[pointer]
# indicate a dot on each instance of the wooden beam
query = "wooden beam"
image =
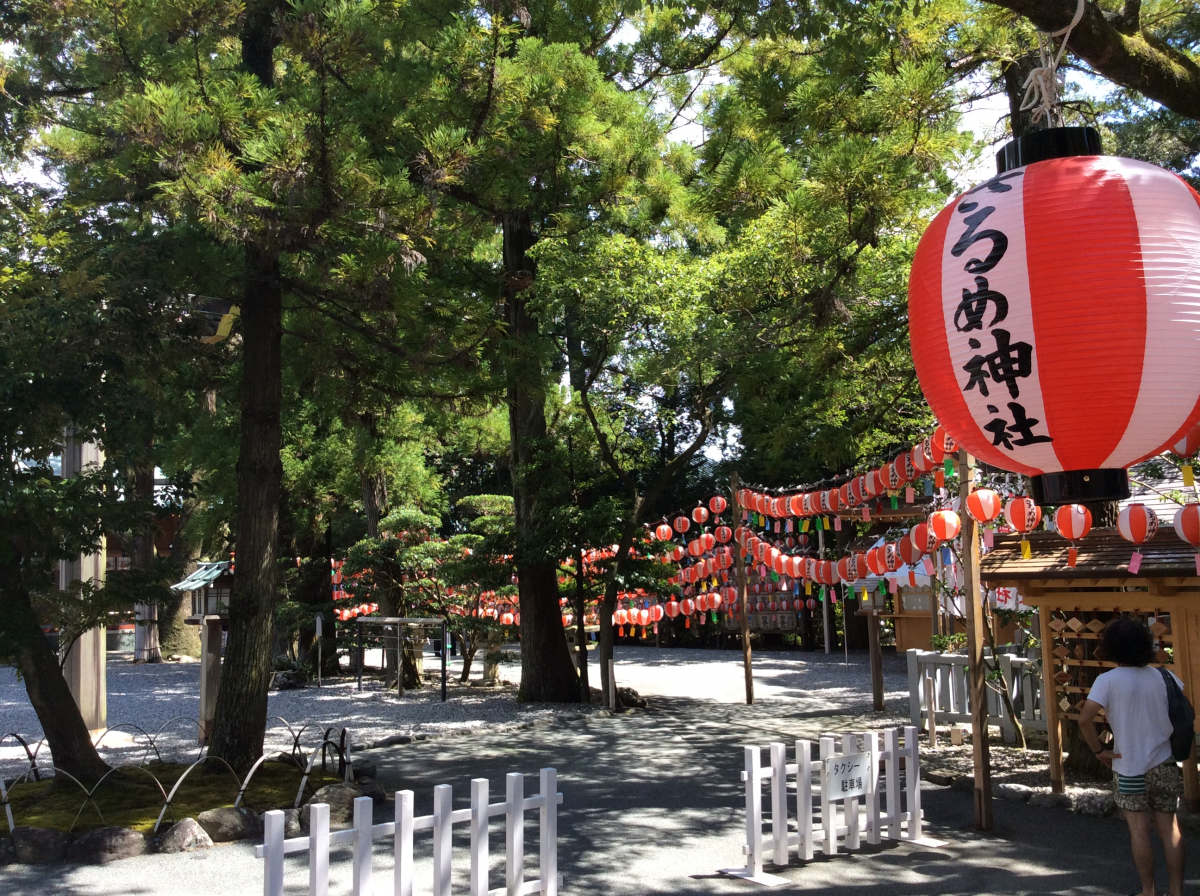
(1050, 702)
(976, 639)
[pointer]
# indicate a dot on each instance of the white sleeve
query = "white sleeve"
(1099, 691)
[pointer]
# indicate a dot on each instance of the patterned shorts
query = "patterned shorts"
(1159, 789)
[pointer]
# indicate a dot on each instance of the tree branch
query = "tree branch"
(1134, 59)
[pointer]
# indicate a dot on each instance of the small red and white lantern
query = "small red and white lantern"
(1073, 522)
(1137, 523)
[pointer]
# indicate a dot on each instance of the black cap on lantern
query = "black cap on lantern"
(1068, 486)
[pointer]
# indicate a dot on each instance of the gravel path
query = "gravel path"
(165, 696)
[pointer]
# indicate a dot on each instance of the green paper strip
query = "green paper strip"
(949, 465)
(895, 502)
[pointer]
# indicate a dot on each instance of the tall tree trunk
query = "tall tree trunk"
(241, 714)
(546, 671)
(375, 500)
(62, 724)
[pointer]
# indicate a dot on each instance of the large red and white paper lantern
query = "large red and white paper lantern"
(1054, 313)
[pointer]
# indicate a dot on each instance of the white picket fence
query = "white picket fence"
(890, 806)
(952, 692)
(320, 839)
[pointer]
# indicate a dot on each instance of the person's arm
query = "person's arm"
(1087, 727)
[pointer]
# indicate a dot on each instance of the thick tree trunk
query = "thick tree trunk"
(546, 671)
(241, 714)
(62, 724)
(375, 500)
(1014, 74)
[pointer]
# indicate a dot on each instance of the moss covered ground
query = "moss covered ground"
(130, 797)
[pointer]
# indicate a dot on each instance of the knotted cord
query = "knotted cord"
(1042, 85)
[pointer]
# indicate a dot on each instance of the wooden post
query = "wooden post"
(740, 565)
(1050, 702)
(930, 709)
(975, 642)
(826, 609)
(876, 658)
(210, 672)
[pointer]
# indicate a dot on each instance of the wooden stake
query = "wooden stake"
(1050, 702)
(876, 659)
(975, 641)
(740, 563)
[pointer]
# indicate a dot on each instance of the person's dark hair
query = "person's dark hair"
(1128, 642)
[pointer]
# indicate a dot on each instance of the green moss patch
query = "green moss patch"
(130, 798)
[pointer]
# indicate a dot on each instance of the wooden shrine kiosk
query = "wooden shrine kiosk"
(1073, 605)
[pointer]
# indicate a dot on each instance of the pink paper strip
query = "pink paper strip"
(1135, 562)
(910, 495)
(837, 524)
(927, 562)
(989, 538)
(866, 515)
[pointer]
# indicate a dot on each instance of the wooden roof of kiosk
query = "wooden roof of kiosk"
(1166, 587)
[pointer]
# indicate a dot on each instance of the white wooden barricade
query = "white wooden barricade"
(891, 806)
(952, 691)
(319, 840)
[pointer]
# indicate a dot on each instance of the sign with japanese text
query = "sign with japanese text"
(847, 776)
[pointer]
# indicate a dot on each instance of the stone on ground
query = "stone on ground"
(372, 788)
(185, 836)
(340, 798)
(1017, 793)
(8, 855)
(1098, 804)
(630, 698)
(106, 844)
(226, 824)
(38, 846)
(1051, 800)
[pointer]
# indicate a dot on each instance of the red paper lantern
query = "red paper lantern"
(903, 467)
(1028, 288)
(874, 483)
(1189, 444)
(621, 617)
(714, 601)
(1073, 521)
(672, 608)
(921, 462)
(844, 495)
(700, 514)
(682, 524)
(729, 595)
(945, 524)
(1137, 523)
(717, 504)
(922, 538)
(663, 532)
(677, 553)
(656, 613)
(934, 448)
(844, 571)
(875, 561)
(908, 551)
(1187, 524)
(811, 604)
(1022, 514)
(861, 566)
(723, 534)
(506, 618)
(984, 505)
(891, 557)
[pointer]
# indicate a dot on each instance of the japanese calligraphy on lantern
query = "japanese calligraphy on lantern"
(991, 338)
(847, 776)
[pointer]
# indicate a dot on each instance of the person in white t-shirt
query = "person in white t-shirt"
(1147, 782)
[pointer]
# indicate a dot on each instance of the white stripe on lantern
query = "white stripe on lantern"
(1011, 278)
(1168, 219)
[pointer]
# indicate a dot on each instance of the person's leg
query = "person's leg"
(1172, 841)
(1143, 849)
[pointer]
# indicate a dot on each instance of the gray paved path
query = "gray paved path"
(652, 805)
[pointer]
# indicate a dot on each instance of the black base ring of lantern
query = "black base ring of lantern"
(1051, 143)
(1080, 486)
